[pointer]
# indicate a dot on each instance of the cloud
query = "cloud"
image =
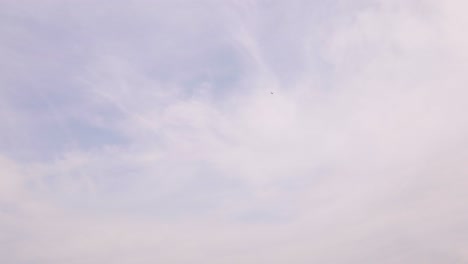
(147, 132)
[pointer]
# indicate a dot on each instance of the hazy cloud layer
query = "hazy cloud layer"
(233, 131)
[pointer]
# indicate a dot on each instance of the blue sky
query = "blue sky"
(146, 131)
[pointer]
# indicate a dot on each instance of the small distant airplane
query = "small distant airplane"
(271, 92)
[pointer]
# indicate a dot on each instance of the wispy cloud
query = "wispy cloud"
(233, 132)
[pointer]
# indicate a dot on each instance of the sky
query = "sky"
(233, 131)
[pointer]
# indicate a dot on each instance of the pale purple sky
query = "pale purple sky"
(137, 132)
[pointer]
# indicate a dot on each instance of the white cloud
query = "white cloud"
(146, 132)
